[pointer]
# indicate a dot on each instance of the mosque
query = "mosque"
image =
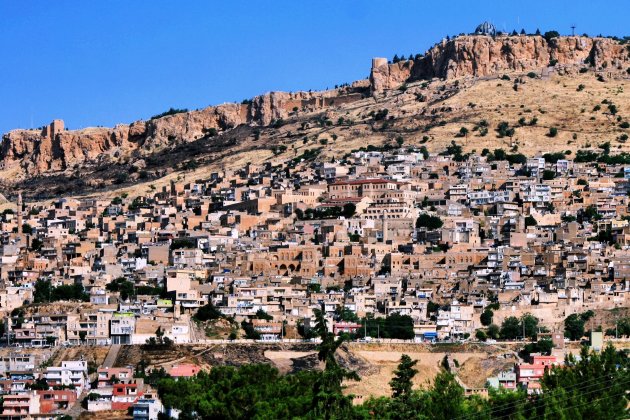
(486, 28)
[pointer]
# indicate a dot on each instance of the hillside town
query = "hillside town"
(391, 243)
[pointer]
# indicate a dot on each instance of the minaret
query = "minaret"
(385, 227)
(19, 212)
(173, 189)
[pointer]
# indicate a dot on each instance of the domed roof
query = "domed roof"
(486, 28)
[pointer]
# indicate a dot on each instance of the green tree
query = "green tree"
(43, 291)
(529, 324)
(549, 35)
(429, 222)
(493, 331)
(446, 398)
(486, 317)
(548, 175)
(402, 383)
(510, 328)
(27, 229)
(261, 314)
(328, 398)
(207, 312)
(574, 327)
(398, 326)
(123, 286)
(344, 314)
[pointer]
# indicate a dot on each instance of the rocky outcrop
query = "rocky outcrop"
(47, 150)
(480, 56)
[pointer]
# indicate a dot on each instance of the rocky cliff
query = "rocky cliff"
(25, 154)
(35, 152)
(480, 56)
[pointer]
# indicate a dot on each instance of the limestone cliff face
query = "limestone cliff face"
(480, 56)
(38, 151)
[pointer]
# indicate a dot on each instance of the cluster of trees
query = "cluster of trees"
(595, 386)
(411, 57)
(574, 325)
(504, 130)
(248, 327)
(123, 286)
(159, 341)
(511, 328)
(128, 289)
(587, 156)
(207, 312)
(171, 111)
(455, 150)
(622, 328)
(45, 292)
(500, 154)
(183, 243)
(393, 326)
(429, 222)
(347, 211)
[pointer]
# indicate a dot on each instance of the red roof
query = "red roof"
(184, 370)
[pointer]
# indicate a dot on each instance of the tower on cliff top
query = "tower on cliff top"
(378, 62)
(54, 128)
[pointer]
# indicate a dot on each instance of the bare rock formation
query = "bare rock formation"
(25, 154)
(480, 56)
(53, 149)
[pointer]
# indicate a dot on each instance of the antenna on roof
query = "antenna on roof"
(573, 30)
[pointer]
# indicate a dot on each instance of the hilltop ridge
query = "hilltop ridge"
(483, 55)
(92, 158)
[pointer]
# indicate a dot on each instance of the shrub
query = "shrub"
(532, 75)
(504, 129)
(171, 111)
(553, 132)
(549, 35)
(481, 335)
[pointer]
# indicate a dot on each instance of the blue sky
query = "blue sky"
(107, 62)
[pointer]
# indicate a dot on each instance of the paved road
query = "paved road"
(110, 359)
